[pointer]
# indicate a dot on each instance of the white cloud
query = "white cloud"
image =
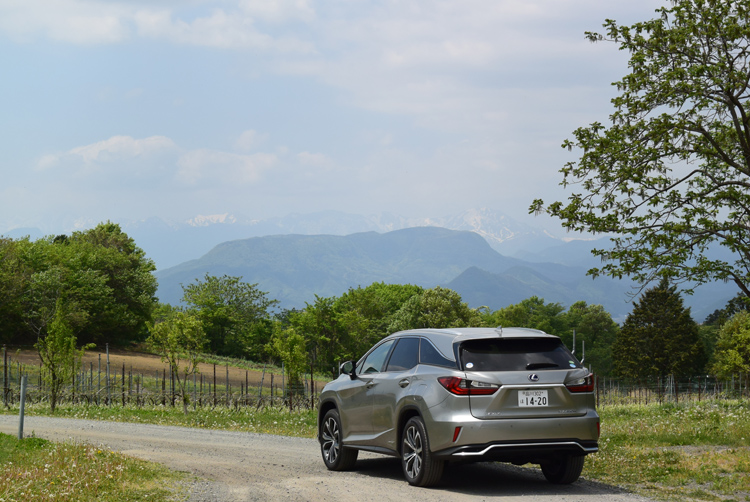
(48, 161)
(279, 11)
(71, 21)
(116, 153)
(220, 30)
(452, 66)
(314, 159)
(121, 146)
(220, 168)
(92, 22)
(249, 140)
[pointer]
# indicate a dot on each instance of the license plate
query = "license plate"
(532, 398)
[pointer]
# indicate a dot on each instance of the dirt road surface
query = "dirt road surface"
(240, 467)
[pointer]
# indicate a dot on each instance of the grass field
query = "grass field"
(691, 451)
(39, 470)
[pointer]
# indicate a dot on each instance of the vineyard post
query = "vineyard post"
(263, 377)
(122, 384)
(5, 377)
(99, 378)
(21, 410)
(109, 398)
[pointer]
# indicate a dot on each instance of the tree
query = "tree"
(435, 308)
(326, 340)
(737, 304)
(61, 360)
(710, 330)
(670, 175)
(129, 280)
(14, 274)
(366, 313)
(658, 338)
(338, 329)
(180, 341)
(231, 311)
(290, 345)
(531, 313)
(595, 328)
(58, 276)
(104, 279)
(733, 347)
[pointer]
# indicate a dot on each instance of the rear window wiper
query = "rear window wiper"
(536, 366)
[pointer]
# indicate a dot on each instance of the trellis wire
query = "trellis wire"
(106, 386)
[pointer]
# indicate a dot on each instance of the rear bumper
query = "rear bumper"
(462, 437)
(518, 451)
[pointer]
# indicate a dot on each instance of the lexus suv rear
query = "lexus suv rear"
(436, 396)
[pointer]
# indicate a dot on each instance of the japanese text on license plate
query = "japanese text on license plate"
(532, 398)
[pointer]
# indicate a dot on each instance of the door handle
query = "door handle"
(404, 382)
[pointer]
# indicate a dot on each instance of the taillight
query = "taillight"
(582, 384)
(463, 387)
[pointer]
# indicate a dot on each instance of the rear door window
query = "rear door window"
(516, 354)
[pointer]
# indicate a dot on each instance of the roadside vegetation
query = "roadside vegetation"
(40, 470)
(689, 451)
(266, 420)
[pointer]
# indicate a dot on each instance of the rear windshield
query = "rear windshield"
(516, 354)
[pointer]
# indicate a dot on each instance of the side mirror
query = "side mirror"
(347, 368)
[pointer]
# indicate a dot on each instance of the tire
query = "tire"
(563, 470)
(335, 456)
(420, 467)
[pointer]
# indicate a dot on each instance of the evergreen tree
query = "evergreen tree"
(659, 338)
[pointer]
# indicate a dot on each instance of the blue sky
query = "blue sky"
(126, 110)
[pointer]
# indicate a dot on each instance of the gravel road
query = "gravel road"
(239, 467)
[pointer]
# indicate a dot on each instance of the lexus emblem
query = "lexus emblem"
(534, 377)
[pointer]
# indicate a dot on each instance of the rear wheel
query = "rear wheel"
(563, 470)
(420, 467)
(335, 456)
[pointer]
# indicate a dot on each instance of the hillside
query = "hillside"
(295, 268)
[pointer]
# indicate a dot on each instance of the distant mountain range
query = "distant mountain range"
(169, 244)
(489, 258)
(295, 268)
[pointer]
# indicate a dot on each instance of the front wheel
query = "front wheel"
(335, 456)
(563, 470)
(420, 467)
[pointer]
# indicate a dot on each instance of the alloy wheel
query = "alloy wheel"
(413, 451)
(331, 437)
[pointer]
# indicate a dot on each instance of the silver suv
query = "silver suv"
(436, 396)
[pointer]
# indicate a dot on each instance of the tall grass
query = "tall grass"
(36, 469)
(692, 451)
